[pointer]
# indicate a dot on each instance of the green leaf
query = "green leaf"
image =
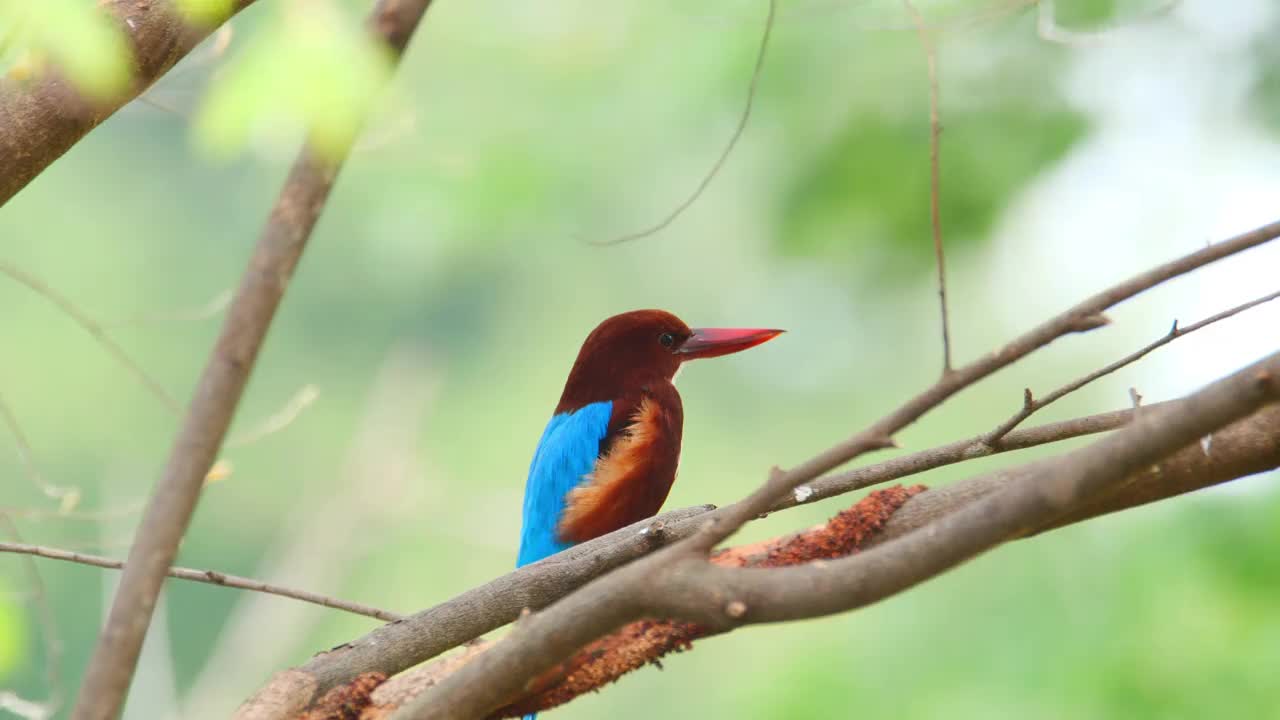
(314, 69)
(76, 36)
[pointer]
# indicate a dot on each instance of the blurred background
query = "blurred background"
(381, 450)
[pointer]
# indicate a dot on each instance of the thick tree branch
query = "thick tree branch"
(174, 498)
(1246, 447)
(212, 577)
(41, 120)
(393, 648)
(689, 588)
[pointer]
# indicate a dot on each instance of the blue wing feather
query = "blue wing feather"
(567, 451)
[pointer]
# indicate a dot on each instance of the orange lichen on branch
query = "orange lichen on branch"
(346, 702)
(647, 641)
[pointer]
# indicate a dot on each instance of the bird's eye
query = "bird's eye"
(667, 339)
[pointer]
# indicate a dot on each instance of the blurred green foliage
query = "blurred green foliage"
(842, 205)
(453, 249)
(69, 33)
(315, 68)
(11, 630)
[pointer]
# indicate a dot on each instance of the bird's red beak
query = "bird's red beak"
(714, 342)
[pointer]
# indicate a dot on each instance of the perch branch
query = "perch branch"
(686, 587)
(40, 120)
(1032, 404)
(393, 648)
(174, 498)
(211, 577)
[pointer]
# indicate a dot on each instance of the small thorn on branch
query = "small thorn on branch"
(885, 443)
(1089, 322)
(1135, 397)
(1028, 400)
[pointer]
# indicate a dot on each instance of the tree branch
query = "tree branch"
(1083, 317)
(41, 120)
(174, 498)
(1031, 404)
(393, 648)
(689, 588)
(212, 577)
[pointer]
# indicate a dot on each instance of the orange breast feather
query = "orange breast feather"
(621, 488)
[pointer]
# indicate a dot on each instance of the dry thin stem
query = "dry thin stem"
(67, 497)
(279, 420)
(1030, 404)
(711, 174)
(210, 577)
(95, 330)
(935, 181)
(174, 498)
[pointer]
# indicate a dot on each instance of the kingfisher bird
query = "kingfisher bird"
(608, 456)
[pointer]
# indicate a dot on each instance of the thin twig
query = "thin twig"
(117, 353)
(1083, 317)
(829, 486)
(1031, 404)
(279, 420)
(935, 149)
(688, 202)
(174, 497)
(67, 497)
(210, 577)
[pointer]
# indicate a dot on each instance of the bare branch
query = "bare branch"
(425, 634)
(1083, 316)
(950, 454)
(174, 498)
(41, 120)
(1031, 404)
(935, 149)
(686, 587)
(645, 641)
(210, 577)
(688, 202)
